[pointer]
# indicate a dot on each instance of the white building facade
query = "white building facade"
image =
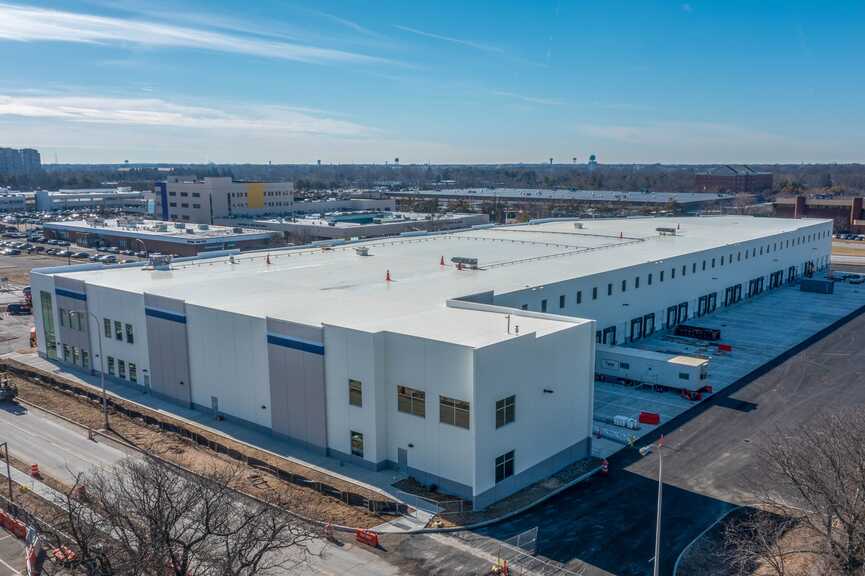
(476, 377)
(207, 200)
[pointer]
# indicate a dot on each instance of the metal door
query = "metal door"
(402, 460)
(214, 403)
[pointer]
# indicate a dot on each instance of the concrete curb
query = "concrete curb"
(700, 535)
(510, 514)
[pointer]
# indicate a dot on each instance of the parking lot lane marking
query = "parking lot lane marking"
(13, 570)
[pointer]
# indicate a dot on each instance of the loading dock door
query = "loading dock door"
(402, 460)
(672, 313)
(610, 335)
(648, 324)
(636, 328)
(683, 313)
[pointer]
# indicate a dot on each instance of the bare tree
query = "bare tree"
(814, 481)
(145, 518)
(755, 540)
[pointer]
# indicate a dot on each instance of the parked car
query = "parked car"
(38, 249)
(64, 253)
(19, 309)
(52, 251)
(94, 257)
(12, 252)
(81, 255)
(108, 259)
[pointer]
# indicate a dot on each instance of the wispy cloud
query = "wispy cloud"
(158, 112)
(685, 134)
(29, 24)
(529, 99)
(687, 8)
(452, 40)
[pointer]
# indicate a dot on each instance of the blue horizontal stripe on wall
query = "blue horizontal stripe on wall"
(70, 294)
(295, 344)
(165, 315)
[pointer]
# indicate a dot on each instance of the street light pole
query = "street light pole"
(5, 446)
(102, 372)
(644, 451)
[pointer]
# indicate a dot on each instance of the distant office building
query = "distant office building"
(158, 236)
(17, 162)
(202, 201)
(91, 199)
(846, 213)
(736, 179)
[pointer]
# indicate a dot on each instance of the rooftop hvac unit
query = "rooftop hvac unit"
(578, 225)
(666, 231)
(161, 228)
(203, 227)
(159, 262)
(179, 225)
(362, 251)
(237, 230)
(467, 262)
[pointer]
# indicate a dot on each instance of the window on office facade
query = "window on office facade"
(118, 330)
(130, 337)
(454, 412)
(411, 401)
(355, 392)
(506, 411)
(106, 323)
(504, 466)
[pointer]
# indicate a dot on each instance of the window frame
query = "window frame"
(355, 392)
(414, 397)
(505, 464)
(451, 408)
(507, 408)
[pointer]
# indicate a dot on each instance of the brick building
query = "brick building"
(733, 178)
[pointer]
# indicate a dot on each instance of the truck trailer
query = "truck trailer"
(632, 365)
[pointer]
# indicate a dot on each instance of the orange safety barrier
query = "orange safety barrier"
(367, 537)
(605, 467)
(725, 348)
(18, 529)
(34, 470)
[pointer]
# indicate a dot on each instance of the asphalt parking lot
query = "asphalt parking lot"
(709, 466)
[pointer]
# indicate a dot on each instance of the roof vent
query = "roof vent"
(179, 225)
(204, 227)
(578, 225)
(237, 230)
(362, 251)
(666, 231)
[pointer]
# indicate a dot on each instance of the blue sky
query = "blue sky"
(462, 82)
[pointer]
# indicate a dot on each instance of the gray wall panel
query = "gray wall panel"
(297, 385)
(168, 351)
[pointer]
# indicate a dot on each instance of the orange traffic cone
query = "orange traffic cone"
(387, 277)
(442, 261)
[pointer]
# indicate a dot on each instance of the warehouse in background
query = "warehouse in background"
(465, 359)
(138, 234)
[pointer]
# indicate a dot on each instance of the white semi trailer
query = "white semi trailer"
(654, 368)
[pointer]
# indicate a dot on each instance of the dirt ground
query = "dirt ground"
(17, 268)
(181, 451)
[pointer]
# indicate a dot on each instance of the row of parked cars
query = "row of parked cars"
(850, 236)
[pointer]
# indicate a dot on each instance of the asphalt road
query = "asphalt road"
(711, 463)
(11, 555)
(61, 450)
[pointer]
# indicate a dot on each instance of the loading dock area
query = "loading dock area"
(758, 330)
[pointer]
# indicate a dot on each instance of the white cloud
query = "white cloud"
(452, 40)
(29, 24)
(530, 99)
(158, 112)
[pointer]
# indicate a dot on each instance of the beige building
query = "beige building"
(203, 201)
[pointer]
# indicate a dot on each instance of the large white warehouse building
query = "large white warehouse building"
(476, 375)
